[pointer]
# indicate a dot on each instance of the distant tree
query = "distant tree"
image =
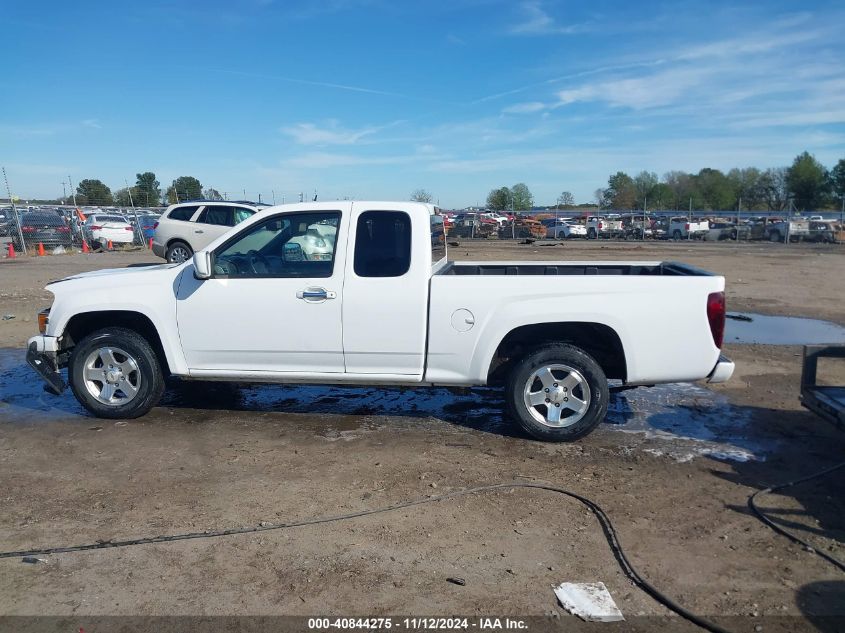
(499, 199)
(184, 188)
(621, 193)
(715, 189)
(421, 195)
(661, 198)
(747, 186)
(682, 186)
(122, 197)
(211, 194)
(147, 190)
(808, 182)
(522, 197)
(645, 182)
(93, 192)
(598, 195)
(566, 199)
(774, 188)
(837, 179)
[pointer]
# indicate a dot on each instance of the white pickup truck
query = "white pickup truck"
(683, 228)
(363, 293)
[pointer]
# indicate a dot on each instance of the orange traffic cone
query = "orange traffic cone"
(40, 249)
(151, 244)
(11, 253)
(85, 248)
(110, 246)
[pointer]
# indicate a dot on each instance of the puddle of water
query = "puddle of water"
(681, 421)
(779, 330)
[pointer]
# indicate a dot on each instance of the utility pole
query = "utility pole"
(64, 193)
(273, 193)
(72, 190)
(645, 212)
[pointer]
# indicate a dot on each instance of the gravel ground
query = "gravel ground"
(673, 467)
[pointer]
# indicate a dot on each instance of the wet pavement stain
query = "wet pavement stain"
(750, 328)
(681, 421)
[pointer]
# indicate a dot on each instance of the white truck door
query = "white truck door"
(275, 299)
(385, 305)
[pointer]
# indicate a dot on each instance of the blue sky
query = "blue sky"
(372, 99)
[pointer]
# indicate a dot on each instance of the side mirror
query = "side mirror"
(202, 264)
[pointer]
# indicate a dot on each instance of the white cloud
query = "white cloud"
(525, 108)
(329, 134)
(538, 22)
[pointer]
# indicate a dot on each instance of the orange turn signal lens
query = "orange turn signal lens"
(43, 319)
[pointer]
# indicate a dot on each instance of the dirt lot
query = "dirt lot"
(673, 468)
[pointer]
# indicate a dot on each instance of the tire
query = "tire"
(565, 364)
(591, 234)
(774, 236)
(135, 366)
(676, 235)
(178, 252)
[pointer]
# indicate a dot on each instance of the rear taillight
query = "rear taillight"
(128, 228)
(600, 225)
(686, 227)
(94, 227)
(28, 229)
(716, 316)
(63, 229)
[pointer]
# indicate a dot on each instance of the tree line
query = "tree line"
(805, 185)
(146, 192)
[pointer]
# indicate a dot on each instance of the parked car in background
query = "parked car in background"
(45, 227)
(600, 226)
(637, 225)
(564, 228)
(682, 227)
(98, 230)
(190, 226)
(822, 231)
(760, 226)
(794, 229)
(5, 222)
(145, 225)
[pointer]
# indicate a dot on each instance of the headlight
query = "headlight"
(43, 320)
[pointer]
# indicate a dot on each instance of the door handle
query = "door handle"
(199, 231)
(315, 294)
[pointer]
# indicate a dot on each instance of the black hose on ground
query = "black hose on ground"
(762, 516)
(606, 525)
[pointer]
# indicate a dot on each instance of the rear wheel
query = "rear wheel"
(591, 234)
(114, 373)
(178, 252)
(676, 235)
(774, 236)
(557, 393)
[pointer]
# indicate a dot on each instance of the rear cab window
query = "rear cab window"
(382, 244)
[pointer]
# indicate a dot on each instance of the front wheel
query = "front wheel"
(557, 393)
(114, 373)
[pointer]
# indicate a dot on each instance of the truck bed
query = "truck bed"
(572, 268)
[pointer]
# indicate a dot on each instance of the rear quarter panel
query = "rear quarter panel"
(661, 321)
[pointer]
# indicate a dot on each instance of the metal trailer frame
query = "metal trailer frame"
(826, 401)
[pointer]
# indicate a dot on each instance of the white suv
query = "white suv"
(190, 226)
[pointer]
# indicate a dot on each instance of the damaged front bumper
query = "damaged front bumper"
(723, 370)
(42, 354)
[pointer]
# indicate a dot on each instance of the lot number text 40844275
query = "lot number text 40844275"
(416, 624)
